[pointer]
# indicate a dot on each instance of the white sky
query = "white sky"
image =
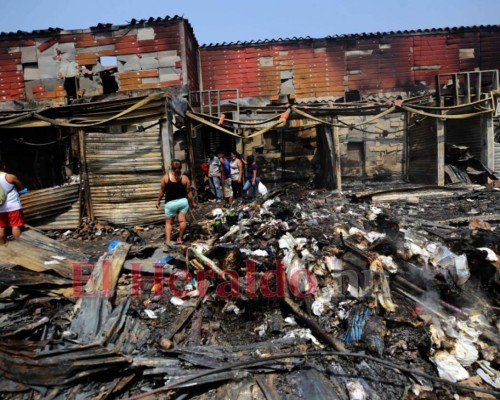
(217, 21)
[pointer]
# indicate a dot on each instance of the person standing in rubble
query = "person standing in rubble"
(176, 188)
(227, 190)
(214, 177)
(236, 168)
(253, 177)
(11, 210)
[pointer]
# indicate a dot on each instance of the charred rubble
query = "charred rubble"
(381, 294)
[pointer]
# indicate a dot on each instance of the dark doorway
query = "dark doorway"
(354, 162)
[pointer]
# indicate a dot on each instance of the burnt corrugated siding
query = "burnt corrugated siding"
(497, 158)
(124, 175)
(374, 64)
(422, 152)
(191, 56)
(148, 56)
(465, 132)
(53, 208)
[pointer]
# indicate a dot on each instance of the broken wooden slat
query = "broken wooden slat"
(183, 318)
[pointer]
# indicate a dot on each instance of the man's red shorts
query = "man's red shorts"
(11, 218)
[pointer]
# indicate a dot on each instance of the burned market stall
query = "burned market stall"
(45, 157)
(315, 145)
(460, 120)
(89, 159)
(312, 289)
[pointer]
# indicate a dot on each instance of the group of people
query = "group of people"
(227, 181)
(227, 178)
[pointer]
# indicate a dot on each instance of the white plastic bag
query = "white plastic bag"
(262, 189)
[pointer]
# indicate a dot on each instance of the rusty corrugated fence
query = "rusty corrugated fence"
(124, 173)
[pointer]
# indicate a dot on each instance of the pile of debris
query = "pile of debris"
(300, 294)
(461, 166)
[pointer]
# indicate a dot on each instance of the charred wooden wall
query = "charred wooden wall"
(37, 156)
(379, 64)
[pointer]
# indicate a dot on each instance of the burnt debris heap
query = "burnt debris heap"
(387, 293)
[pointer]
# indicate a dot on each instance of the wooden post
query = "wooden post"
(456, 94)
(184, 55)
(467, 88)
(438, 91)
(404, 162)
(190, 152)
(326, 154)
(440, 151)
(84, 175)
(487, 141)
(336, 146)
(166, 135)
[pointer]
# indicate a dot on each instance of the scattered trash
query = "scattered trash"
(405, 291)
(448, 367)
(150, 313)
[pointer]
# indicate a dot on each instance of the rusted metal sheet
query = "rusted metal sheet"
(53, 208)
(124, 175)
(422, 151)
(154, 36)
(497, 158)
(36, 252)
(128, 111)
(371, 63)
(28, 362)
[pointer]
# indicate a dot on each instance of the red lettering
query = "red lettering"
(203, 283)
(301, 278)
(79, 278)
(279, 277)
(250, 279)
(230, 288)
(137, 280)
(178, 276)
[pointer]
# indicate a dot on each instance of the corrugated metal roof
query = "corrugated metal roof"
(357, 35)
(162, 20)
